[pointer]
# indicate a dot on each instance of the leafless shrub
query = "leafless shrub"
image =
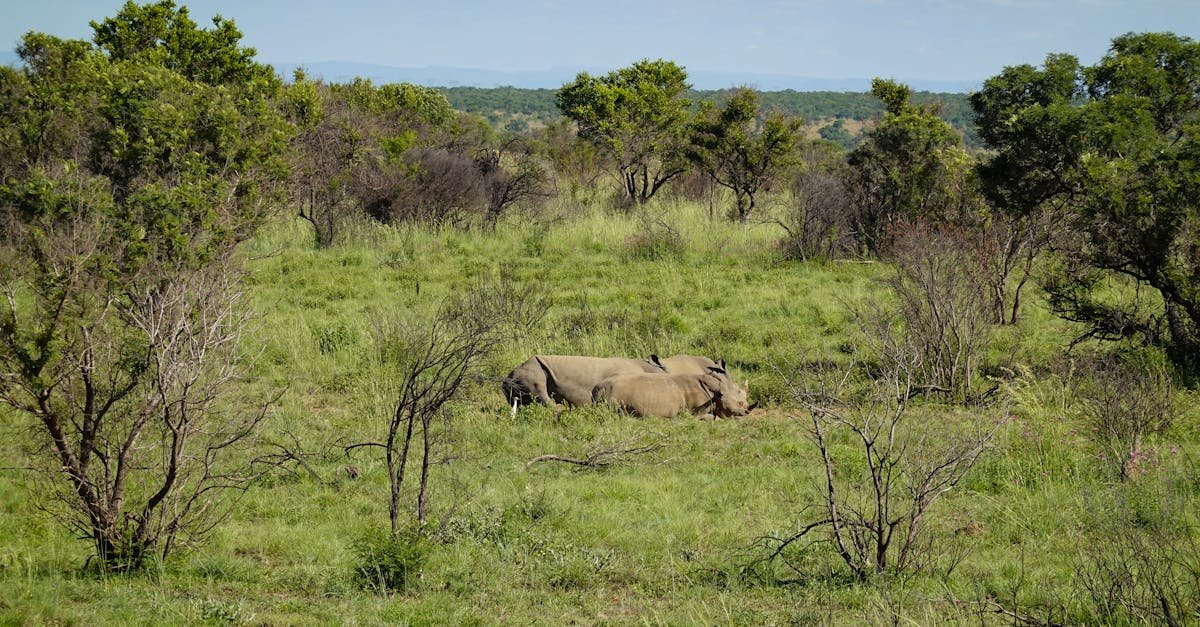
(512, 175)
(575, 162)
(422, 365)
(321, 157)
(1140, 563)
(817, 219)
(656, 240)
(693, 186)
(133, 401)
(1007, 248)
(941, 314)
(432, 186)
(516, 308)
(876, 518)
(1128, 400)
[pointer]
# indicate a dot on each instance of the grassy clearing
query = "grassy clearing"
(656, 540)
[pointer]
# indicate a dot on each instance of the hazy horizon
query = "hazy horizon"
(920, 41)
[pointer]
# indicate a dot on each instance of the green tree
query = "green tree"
(638, 115)
(911, 166)
(1116, 148)
(163, 35)
(125, 189)
(732, 147)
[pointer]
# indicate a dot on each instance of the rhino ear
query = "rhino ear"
(711, 382)
(721, 363)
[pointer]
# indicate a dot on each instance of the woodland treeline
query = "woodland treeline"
(515, 109)
(133, 164)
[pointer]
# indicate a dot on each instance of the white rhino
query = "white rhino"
(568, 378)
(660, 394)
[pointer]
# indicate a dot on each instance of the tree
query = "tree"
(1115, 148)
(120, 324)
(737, 153)
(911, 166)
(511, 174)
(638, 116)
(161, 34)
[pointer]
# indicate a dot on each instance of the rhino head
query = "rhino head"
(729, 399)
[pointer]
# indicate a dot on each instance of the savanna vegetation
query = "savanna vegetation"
(840, 117)
(253, 334)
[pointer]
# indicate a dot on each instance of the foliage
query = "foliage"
(162, 35)
(396, 152)
(737, 152)
(830, 111)
(389, 562)
(1114, 146)
(912, 166)
(638, 116)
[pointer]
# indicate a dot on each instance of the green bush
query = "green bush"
(389, 563)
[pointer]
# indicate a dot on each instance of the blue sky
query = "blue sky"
(914, 39)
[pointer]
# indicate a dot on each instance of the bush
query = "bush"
(817, 221)
(941, 305)
(655, 242)
(1129, 398)
(389, 563)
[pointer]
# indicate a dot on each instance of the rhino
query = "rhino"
(568, 378)
(662, 394)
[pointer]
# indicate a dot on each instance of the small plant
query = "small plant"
(387, 562)
(332, 338)
(225, 613)
(1129, 400)
(655, 242)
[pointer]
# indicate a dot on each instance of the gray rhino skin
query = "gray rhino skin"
(568, 378)
(699, 364)
(652, 394)
(691, 364)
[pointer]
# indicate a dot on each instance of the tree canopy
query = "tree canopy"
(638, 115)
(739, 152)
(1116, 148)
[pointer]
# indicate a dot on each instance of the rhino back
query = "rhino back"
(572, 377)
(689, 364)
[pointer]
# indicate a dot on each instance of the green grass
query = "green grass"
(658, 539)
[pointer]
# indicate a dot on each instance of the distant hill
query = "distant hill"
(553, 78)
(838, 109)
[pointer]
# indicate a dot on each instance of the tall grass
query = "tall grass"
(655, 539)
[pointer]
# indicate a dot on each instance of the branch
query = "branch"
(600, 457)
